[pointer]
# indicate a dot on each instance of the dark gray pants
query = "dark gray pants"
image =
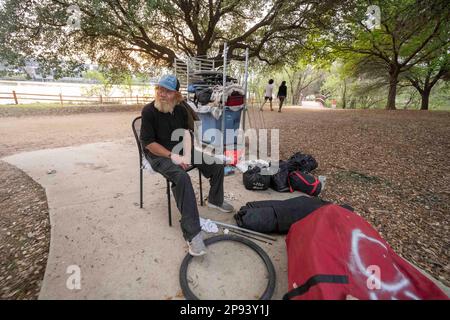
(184, 192)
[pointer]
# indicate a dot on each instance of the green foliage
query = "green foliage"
(136, 33)
(410, 32)
(317, 47)
(440, 97)
(103, 86)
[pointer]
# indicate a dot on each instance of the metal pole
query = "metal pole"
(230, 226)
(224, 79)
(250, 237)
(187, 76)
(141, 193)
(245, 87)
(175, 66)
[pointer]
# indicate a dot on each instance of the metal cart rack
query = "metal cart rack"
(189, 69)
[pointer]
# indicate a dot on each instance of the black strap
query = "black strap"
(320, 278)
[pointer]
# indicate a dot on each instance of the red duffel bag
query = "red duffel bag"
(334, 254)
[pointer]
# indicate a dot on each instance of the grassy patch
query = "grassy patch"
(39, 105)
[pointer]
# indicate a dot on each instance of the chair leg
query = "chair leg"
(168, 202)
(201, 191)
(141, 187)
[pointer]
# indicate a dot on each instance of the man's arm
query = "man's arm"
(158, 150)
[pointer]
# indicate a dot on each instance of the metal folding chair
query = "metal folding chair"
(136, 126)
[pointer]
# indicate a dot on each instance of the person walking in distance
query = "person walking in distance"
(268, 95)
(282, 94)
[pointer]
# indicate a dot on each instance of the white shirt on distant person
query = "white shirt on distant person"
(269, 91)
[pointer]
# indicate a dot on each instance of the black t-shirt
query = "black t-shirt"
(158, 126)
(282, 91)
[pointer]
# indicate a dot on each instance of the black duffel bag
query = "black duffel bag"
(276, 215)
(279, 181)
(302, 162)
(304, 182)
(254, 180)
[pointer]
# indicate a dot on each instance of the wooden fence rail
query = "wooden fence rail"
(17, 98)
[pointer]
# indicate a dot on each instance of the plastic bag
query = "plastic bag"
(254, 180)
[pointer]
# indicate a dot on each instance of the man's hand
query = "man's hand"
(183, 162)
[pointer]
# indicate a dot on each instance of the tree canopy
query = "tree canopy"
(409, 32)
(157, 31)
(384, 45)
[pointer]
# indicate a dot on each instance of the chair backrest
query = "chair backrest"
(136, 126)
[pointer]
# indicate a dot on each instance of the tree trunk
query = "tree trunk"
(298, 88)
(425, 99)
(344, 98)
(393, 80)
(293, 96)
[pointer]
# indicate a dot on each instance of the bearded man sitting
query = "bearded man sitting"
(163, 120)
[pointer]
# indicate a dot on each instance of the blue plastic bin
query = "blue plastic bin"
(232, 121)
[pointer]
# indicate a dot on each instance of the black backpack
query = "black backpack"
(304, 182)
(302, 162)
(254, 180)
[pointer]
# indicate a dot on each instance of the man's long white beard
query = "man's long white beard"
(164, 106)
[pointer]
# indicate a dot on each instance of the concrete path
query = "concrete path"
(125, 252)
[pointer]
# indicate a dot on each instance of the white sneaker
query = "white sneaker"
(197, 246)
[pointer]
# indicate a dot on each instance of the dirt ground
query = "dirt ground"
(391, 166)
(24, 234)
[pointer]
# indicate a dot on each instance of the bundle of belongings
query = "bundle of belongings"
(209, 78)
(276, 216)
(334, 254)
(292, 175)
(210, 93)
(209, 100)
